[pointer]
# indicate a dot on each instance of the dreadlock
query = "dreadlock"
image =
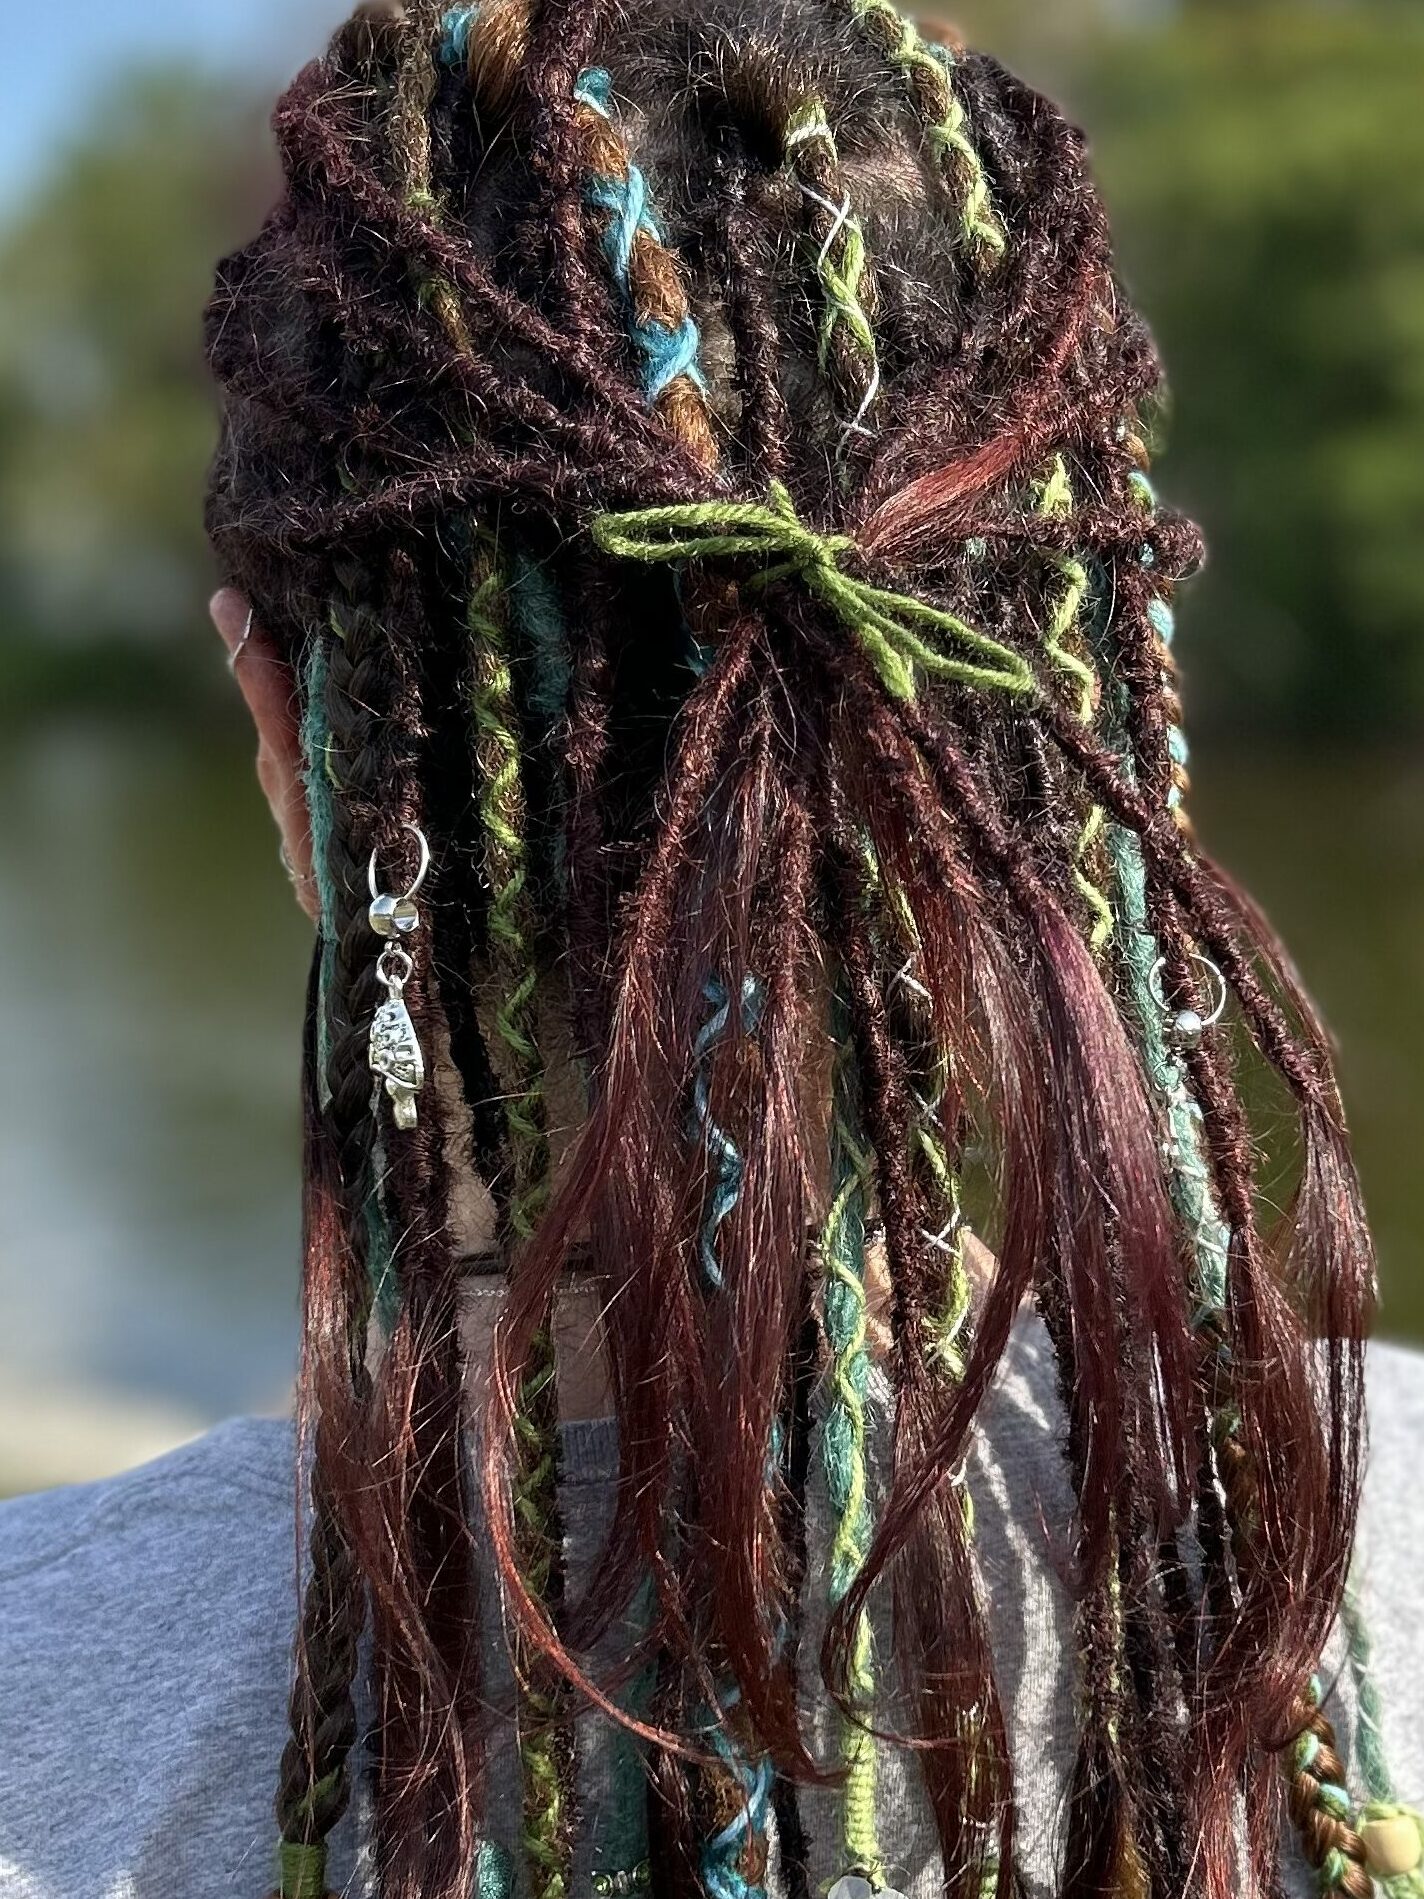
(693, 457)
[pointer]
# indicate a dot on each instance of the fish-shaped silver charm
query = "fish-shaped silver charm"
(395, 1055)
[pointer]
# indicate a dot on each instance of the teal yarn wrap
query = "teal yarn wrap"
(722, 1152)
(538, 613)
(620, 1823)
(321, 788)
(722, 1855)
(1369, 1736)
(1190, 1181)
(494, 1872)
(665, 351)
(455, 31)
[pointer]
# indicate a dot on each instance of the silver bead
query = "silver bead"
(851, 1886)
(394, 916)
(1187, 1029)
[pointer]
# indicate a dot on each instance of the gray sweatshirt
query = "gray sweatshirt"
(145, 1626)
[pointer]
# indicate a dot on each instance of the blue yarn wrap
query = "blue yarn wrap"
(455, 34)
(727, 1166)
(722, 1875)
(665, 351)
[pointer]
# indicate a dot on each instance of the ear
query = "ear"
(270, 690)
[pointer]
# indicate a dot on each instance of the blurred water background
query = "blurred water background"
(1265, 164)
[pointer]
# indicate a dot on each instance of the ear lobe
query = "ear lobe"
(269, 689)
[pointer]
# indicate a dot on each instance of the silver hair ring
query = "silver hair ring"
(1187, 1026)
(298, 879)
(420, 875)
(237, 652)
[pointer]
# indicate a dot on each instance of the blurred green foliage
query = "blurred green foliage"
(1265, 166)
(106, 421)
(1266, 169)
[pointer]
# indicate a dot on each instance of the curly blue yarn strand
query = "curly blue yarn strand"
(722, 1874)
(455, 35)
(665, 352)
(722, 1151)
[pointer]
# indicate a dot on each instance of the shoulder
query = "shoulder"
(144, 1632)
(133, 1534)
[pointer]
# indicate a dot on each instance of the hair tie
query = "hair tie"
(898, 632)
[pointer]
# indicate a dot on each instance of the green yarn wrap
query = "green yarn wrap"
(517, 1058)
(899, 633)
(843, 1446)
(1057, 499)
(301, 1871)
(842, 268)
(928, 72)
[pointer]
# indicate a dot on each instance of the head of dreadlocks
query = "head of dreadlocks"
(691, 460)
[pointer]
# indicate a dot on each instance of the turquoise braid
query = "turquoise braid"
(661, 326)
(666, 351)
(1382, 1818)
(744, 1837)
(843, 1445)
(455, 31)
(1319, 1800)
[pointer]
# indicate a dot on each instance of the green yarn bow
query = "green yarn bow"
(898, 632)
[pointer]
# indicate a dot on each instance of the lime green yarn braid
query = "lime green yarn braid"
(517, 1059)
(301, 1870)
(846, 348)
(929, 77)
(1057, 499)
(502, 818)
(415, 83)
(844, 1445)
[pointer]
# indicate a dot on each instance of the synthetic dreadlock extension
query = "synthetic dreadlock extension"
(735, 704)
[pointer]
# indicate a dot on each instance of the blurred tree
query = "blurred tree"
(1265, 166)
(105, 418)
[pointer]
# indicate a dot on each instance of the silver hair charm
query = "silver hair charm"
(1186, 1028)
(395, 1056)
